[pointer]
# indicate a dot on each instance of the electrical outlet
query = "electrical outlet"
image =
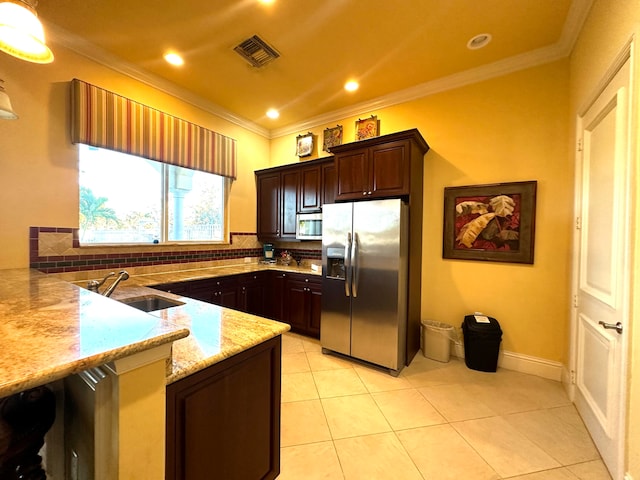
(247, 259)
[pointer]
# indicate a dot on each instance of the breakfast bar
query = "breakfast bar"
(52, 330)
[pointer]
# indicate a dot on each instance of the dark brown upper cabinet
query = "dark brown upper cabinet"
(282, 192)
(379, 167)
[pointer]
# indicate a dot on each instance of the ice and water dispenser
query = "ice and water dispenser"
(335, 263)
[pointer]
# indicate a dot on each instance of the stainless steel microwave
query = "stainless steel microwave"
(309, 226)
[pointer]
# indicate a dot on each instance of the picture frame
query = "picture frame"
(331, 137)
(304, 145)
(367, 128)
(494, 222)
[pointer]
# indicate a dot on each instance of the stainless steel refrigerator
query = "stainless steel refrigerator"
(364, 281)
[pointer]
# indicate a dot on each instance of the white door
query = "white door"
(602, 272)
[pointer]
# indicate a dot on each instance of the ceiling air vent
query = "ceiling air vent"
(256, 51)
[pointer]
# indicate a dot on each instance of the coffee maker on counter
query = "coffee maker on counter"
(269, 253)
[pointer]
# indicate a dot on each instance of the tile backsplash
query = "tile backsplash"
(57, 250)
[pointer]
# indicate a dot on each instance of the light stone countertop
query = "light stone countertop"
(188, 274)
(50, 328)
(216, 332)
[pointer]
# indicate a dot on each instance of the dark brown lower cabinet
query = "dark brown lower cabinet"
(275, 291)
(303, 303)
(252, 293)
(224, 421)
(293, 298)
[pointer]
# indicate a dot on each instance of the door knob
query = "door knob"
(617, 327)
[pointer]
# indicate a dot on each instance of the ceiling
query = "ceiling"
(394, 49)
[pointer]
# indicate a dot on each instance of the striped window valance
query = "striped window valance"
(104, 119)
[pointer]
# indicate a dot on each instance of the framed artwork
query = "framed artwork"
(332, 137)
(367, 128)
(304, 145)
(493, 223)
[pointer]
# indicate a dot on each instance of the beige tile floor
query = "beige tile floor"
(436, 421)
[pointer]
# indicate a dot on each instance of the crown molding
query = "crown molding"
(82, 47)
(576, 17)
(451, 82)
(578, 13)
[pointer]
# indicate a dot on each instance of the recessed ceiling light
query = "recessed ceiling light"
(174, 59)
(351, 86)
(479, 41)
(273, 113)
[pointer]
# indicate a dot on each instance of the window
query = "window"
(126, 199)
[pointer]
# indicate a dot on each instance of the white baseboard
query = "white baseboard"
(532, 365)
(522, 363)
(568, 382)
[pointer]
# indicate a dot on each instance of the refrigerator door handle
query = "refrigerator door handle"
(347, 266)
(354, 265)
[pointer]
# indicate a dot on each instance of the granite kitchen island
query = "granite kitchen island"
(223, 390)
(52, 329)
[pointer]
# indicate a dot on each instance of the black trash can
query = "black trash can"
(482, 336)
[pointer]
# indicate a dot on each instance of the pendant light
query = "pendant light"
(6, 111)
(21, 33)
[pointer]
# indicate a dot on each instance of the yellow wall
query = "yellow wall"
(38, 163)
(39, 186)
(611, 24)
(512, 128)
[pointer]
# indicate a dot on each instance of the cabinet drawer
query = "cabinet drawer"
(250, 278)
(179, 288)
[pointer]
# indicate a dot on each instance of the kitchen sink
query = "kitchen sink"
(151, 303)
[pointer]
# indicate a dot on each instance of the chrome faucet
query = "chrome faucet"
(94, 285)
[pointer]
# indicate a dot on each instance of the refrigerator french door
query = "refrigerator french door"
(364, 281)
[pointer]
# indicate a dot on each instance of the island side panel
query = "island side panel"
(224, 421)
